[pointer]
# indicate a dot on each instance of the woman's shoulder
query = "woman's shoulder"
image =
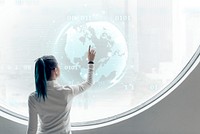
(32, 95)
(65, 89)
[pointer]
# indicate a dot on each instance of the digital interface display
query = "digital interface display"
(141, 47)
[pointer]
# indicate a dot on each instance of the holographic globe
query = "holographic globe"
(111, 57)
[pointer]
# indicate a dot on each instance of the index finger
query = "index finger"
(89, 48)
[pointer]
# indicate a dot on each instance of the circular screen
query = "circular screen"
(142, 46)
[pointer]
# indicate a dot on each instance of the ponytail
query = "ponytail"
(40, 79)
(43, 68)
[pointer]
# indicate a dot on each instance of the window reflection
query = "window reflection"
(142, 46)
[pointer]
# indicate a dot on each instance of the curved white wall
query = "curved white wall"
(178, 113)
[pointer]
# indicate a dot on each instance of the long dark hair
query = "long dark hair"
(43, 68)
